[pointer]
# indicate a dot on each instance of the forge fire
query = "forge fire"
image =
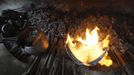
(90, 48)
(66, 37)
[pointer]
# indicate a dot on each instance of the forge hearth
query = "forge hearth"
(53, 26)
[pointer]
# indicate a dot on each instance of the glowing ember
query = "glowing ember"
(89, 49)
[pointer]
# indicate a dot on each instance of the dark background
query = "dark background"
(9, 65)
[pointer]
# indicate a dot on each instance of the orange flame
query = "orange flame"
(88, 49)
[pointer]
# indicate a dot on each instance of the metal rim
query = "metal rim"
(93, 63)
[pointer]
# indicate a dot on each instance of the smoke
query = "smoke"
(123, 6)
(13, 4)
